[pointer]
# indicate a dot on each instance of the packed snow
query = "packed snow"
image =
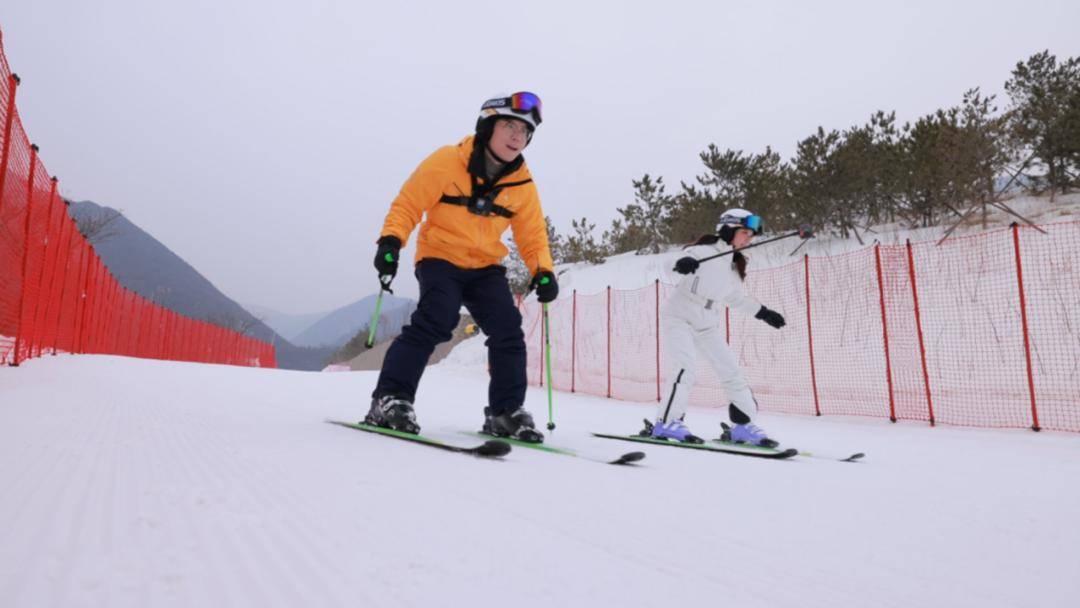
(146, 483)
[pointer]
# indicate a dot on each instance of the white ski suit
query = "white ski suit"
(691, 321)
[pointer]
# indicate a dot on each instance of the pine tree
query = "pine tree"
(641, 228)
(581, 246)
(1045, 117)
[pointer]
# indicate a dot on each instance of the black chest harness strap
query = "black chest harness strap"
(482, 201)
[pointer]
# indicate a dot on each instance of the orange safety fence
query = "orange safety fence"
(57, 296)
(980, 331)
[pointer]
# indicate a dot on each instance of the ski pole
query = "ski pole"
(804, 232)
(547, 359)
(384, 285)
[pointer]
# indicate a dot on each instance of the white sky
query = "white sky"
(264, 140)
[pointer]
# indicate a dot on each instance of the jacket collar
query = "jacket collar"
(518, 170)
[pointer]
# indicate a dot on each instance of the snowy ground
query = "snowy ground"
(630, 271)
(127, 482)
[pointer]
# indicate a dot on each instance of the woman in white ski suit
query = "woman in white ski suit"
(691, 323)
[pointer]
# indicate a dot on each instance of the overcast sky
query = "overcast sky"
(263, 140)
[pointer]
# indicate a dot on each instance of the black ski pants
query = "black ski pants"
(443, 289)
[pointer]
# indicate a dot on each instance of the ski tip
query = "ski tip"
(493, 449)
(854, 457)
(629, 457)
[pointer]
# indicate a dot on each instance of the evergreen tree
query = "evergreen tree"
(581, 246)
(1045, 117)
(642, 227)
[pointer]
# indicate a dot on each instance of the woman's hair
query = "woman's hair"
(739, 260)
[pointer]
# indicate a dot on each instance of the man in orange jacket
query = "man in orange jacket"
(470, 193)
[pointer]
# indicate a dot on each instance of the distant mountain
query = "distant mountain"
(144, 265)
(339, 326)
(287, 325)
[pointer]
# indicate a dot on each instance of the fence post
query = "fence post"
(63, 288)
(84, 297)
(21, 330)
(1024, 320)
(810, 336)
(573, 343)
(885, 332)
(657, 340)
(90, 305)
(918, 329)
(727, 324)
(609, 341)
(38, 336)
(56, 268)
(9, 118)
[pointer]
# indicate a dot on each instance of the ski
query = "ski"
(489, 449)
(741, 450)
(724, 442)
(856, 457)
(627, 458)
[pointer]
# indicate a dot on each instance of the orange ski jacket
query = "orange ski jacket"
(451, 232)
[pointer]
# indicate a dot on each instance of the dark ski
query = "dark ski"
(741, 450)
(627, 458)
(489, 449)
(856, 457)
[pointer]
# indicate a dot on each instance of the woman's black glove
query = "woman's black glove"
(687, 265)
(547, 288)
(386, 258)
(771, 317)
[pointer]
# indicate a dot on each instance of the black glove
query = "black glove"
(386, 258)
(687, 265)
(771, 317)
(547, 288)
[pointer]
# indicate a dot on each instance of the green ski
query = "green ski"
(627, 458)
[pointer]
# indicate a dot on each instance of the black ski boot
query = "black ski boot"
(392, 412)
(515, 424)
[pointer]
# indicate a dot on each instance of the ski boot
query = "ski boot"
(746, 433)
(675, 429)
(515, 424)
(392, 412)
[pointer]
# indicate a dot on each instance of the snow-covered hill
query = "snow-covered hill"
(147, 483)
(630, 271)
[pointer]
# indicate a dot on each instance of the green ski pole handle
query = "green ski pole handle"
(547, 358)
(384, 285)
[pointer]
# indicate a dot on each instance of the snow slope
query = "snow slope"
(630, 271)
(146, 483)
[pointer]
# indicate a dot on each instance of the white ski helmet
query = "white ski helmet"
(523, 105)
(739, 218)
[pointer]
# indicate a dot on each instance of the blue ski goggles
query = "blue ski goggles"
(750, 222)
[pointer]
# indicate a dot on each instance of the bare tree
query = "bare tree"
(240, 325)
(99, 226)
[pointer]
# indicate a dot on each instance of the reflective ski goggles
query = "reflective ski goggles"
(751, 222)
(523, 102)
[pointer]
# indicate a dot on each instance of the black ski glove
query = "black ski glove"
(687, 265)
(386, 258)
(771, 317)
(547, 288)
